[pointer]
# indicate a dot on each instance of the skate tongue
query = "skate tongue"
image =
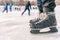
(44, 30)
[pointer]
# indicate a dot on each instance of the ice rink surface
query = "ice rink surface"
(13, 26)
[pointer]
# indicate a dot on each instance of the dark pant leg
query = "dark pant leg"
(24, 11)
(40, 8)
(28, 11)
(4, 10)
(7, 11)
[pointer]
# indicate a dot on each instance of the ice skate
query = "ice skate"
(36, 25)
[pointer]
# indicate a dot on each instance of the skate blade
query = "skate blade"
(42, 32)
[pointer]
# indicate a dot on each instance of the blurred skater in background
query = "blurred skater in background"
(27, 7)
(10, 6)
(6, 8)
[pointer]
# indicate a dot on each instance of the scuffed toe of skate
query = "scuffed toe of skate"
(34, 31)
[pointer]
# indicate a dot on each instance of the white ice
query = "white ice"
(13, 26)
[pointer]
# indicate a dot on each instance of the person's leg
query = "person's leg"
(7, 11)
(40, 8)
(23, 11)
(4, 10)
(29, 12)
(10, 9)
